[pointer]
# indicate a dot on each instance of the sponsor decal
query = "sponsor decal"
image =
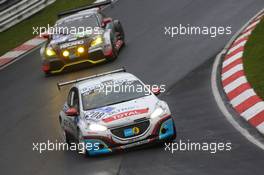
(136, 130)
(98, 114)
(58, 39)
(131, 131)
(125, 114)
(63, 46)
(116, 111)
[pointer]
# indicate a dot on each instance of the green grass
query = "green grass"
(254, 59)
(23, 31)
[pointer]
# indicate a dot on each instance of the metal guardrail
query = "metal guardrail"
(2, 1)
(5, 4)
(21, 11)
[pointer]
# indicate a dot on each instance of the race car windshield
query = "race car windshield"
(76, 24)
(113, 94)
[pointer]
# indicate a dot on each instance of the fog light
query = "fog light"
(163, 130)
(50, 52)
(80, 50)
(66, 53)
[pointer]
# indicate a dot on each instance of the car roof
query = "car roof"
(88, 12)
(99, 80)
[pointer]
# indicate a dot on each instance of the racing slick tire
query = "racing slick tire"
(79, 141)
(118, 28)
(66, 137)
(114, 52)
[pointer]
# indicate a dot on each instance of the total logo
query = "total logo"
(125, 114)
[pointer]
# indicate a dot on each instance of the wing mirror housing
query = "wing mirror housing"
(72, 112)
(156, 90)
(45, 35)
(106, 21)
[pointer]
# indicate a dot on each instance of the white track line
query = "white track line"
(252, 25)
(244, 35)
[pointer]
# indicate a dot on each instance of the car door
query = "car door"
(70, 122)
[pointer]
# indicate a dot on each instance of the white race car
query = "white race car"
(114, 111)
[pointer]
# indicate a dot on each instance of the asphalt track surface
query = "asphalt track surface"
(30, 102)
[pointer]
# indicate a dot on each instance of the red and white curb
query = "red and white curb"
(239, 92)
(12, 55)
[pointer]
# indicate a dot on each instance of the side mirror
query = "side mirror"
(106, 21)
(155, 91)
(45, 35)
(72, 112)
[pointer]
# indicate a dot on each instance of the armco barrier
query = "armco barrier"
(21, 11)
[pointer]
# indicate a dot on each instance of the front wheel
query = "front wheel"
(66, 137)
(114, 52)
(119, 29)
(81, 144)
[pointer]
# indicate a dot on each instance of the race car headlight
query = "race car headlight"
(50, 52)
(80, 50)
(97, 41)
(65, 53)
(97, 127)
(158, 113)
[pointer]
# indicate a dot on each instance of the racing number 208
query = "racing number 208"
(95, 115)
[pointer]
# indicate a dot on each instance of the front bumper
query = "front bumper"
(59, 64)
(163, 130)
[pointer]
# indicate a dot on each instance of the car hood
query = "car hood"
(69, 41)
(68, 38)
(122, 113)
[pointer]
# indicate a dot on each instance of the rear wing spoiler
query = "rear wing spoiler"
(95, 5)
(61, 84)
